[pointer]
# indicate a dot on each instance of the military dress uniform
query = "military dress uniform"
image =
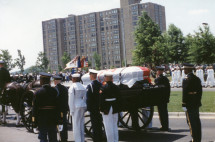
(78, 106)
(192, 94)
(64, 106)
(93, 101)
(4, 78)
(46, 113)
(162, 108)
(110, 108)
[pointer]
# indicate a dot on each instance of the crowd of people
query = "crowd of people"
(51, 104)
(205, 73)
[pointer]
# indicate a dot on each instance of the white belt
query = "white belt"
(111, 99)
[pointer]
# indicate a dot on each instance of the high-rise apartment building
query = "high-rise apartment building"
(109, 33)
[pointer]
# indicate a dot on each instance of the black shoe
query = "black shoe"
(164, 129)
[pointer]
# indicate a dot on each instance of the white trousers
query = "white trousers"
(210, 81)
(78, 124)
(111, 128)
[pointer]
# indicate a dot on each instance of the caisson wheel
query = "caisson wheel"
(136, 119)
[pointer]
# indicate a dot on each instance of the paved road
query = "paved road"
(179, 132)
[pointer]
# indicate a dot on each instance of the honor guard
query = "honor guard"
(64, 106)
(78, 106)
(162, 108)
(93, 101)
(191, 101)
(46, 113)
(4, 79)
(110, 107)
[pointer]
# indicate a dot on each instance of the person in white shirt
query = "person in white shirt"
(210, 77)
(178, 75)
(201, 75)
(77, 106)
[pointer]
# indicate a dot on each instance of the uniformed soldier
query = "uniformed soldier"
(46, 112)
(4, 79)
(110, 94)
(78, 106)
(191, 101)
(93, 101)
(162, 108)
(64, 106)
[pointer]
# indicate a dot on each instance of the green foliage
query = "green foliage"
(33, 69)
(202, 46)
(7, 58)
(175, 104)
(42, 61)
(147, 37)
(20, 61)
(174, 40)
(60, 68)
(65, 58)
(97, 59)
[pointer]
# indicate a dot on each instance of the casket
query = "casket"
(127, 76)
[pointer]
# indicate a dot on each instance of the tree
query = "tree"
(147, 33)
(20, 61)
(7, 58)
(65, 58)
(175, 42)
(42, 61)
(97, 59)
(202, 46)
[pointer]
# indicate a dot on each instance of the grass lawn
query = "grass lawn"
(208, 102)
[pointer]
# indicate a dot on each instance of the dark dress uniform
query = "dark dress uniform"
(4, 78)
(46, 113)
(162, 108)
(192, 94)
(64, 107)
(93, 101)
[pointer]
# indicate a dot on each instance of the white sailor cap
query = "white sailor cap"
(76, 75)
(93, 71)
(108, 73)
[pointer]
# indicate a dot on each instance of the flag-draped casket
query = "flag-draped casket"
(135, 86)
(127, 76)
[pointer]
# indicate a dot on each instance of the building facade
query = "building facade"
(108, 33)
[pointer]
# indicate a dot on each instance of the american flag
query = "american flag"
(86, 62)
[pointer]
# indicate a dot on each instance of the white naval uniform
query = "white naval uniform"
(77, 106)
(111, 128)
(178, 72)
(200, 74)
(174, 79)
(182, 76)
(210, 78)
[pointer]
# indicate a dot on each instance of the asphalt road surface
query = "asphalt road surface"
(179, 132)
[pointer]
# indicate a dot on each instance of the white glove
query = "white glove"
(60, 128)
(35, 130)
(184, 108)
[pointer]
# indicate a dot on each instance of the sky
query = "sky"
(21, 20)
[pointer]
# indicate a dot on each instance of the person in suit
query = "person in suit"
(64, 106)
(191, 101)
(110, 94)
(46, 112)
(78, 106)
(93, 101)
(4, 79)
(162, 108)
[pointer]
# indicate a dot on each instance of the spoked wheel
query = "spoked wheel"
(88, 126)
(26, 110)
(136, 119)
